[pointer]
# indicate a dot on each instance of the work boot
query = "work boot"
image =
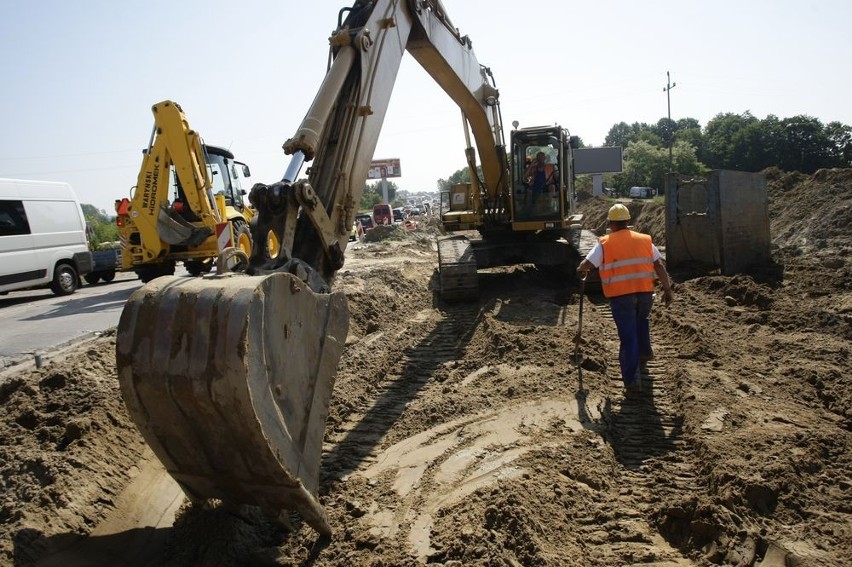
(634, 388)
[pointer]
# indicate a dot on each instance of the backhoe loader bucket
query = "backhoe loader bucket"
(229, 379)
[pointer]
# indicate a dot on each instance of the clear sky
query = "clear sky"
(80, 76)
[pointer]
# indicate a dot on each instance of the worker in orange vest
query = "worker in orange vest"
(628, 263)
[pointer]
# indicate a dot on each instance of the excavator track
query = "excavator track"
(457, 269)
(229, 379)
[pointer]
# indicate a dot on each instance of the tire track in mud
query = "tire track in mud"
(645, 431)
(427, 466)
(353, 444)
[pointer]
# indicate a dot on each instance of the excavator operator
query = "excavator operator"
(540, 175)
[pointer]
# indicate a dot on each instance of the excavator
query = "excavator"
(518, 219)
(187, 204)
(229, 376)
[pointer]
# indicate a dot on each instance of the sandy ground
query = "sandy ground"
(465, 435)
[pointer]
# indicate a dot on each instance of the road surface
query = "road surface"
(37, 322)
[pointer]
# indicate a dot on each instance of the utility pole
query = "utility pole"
(667, 89)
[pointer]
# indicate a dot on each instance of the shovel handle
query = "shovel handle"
(580, 321)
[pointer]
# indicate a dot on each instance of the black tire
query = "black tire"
(91, 278)
(65, 280)
(198, 267)
(108, 276)
(242, 240)
(242, 237)
(154, 271)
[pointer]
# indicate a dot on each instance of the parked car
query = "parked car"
(398, 215)
(365, 220)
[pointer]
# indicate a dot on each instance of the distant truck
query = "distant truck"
(382, 214)
(641, 193)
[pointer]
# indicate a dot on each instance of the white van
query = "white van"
(641, 193)
(42, 237)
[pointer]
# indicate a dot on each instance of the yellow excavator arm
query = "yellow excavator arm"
(229, 377)
(341, 129)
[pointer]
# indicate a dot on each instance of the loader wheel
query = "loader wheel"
(151, 272)
(198, 267)
(65, 280)
(242, 239)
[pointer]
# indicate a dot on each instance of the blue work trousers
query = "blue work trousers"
(630, 313)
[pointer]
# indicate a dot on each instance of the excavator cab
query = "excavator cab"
(540, 190)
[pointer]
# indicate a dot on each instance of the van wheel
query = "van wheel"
(91, 279)
(65, 280)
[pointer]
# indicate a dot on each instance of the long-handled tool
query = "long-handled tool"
(578, 358)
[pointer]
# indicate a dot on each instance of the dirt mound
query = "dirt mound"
(811, 212)
(464, 434)
(646, 216)
(67, 446)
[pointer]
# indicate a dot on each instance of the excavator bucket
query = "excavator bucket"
(229, 378)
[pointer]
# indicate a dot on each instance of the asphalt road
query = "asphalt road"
(36, 322)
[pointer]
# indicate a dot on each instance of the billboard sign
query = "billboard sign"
(384, 168)
(607, 159)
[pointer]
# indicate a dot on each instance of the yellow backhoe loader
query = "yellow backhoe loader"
(187, 204)
(229, 376)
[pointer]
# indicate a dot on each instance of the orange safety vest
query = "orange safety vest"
(628, 264)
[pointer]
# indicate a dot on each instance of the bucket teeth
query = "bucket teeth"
(229, 379)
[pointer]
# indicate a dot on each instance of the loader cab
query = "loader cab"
(226, 176)
(541, 174)
(224, 173)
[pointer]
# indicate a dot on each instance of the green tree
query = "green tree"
(724, 141)
(689, 130)
(622, 134)
(840, 139)
(460, 176)
(644, 165)
(372, 194)
(101, 227)
(807, 146)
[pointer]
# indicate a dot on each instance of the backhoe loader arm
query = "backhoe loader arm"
(172, 144)
(341, 129)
